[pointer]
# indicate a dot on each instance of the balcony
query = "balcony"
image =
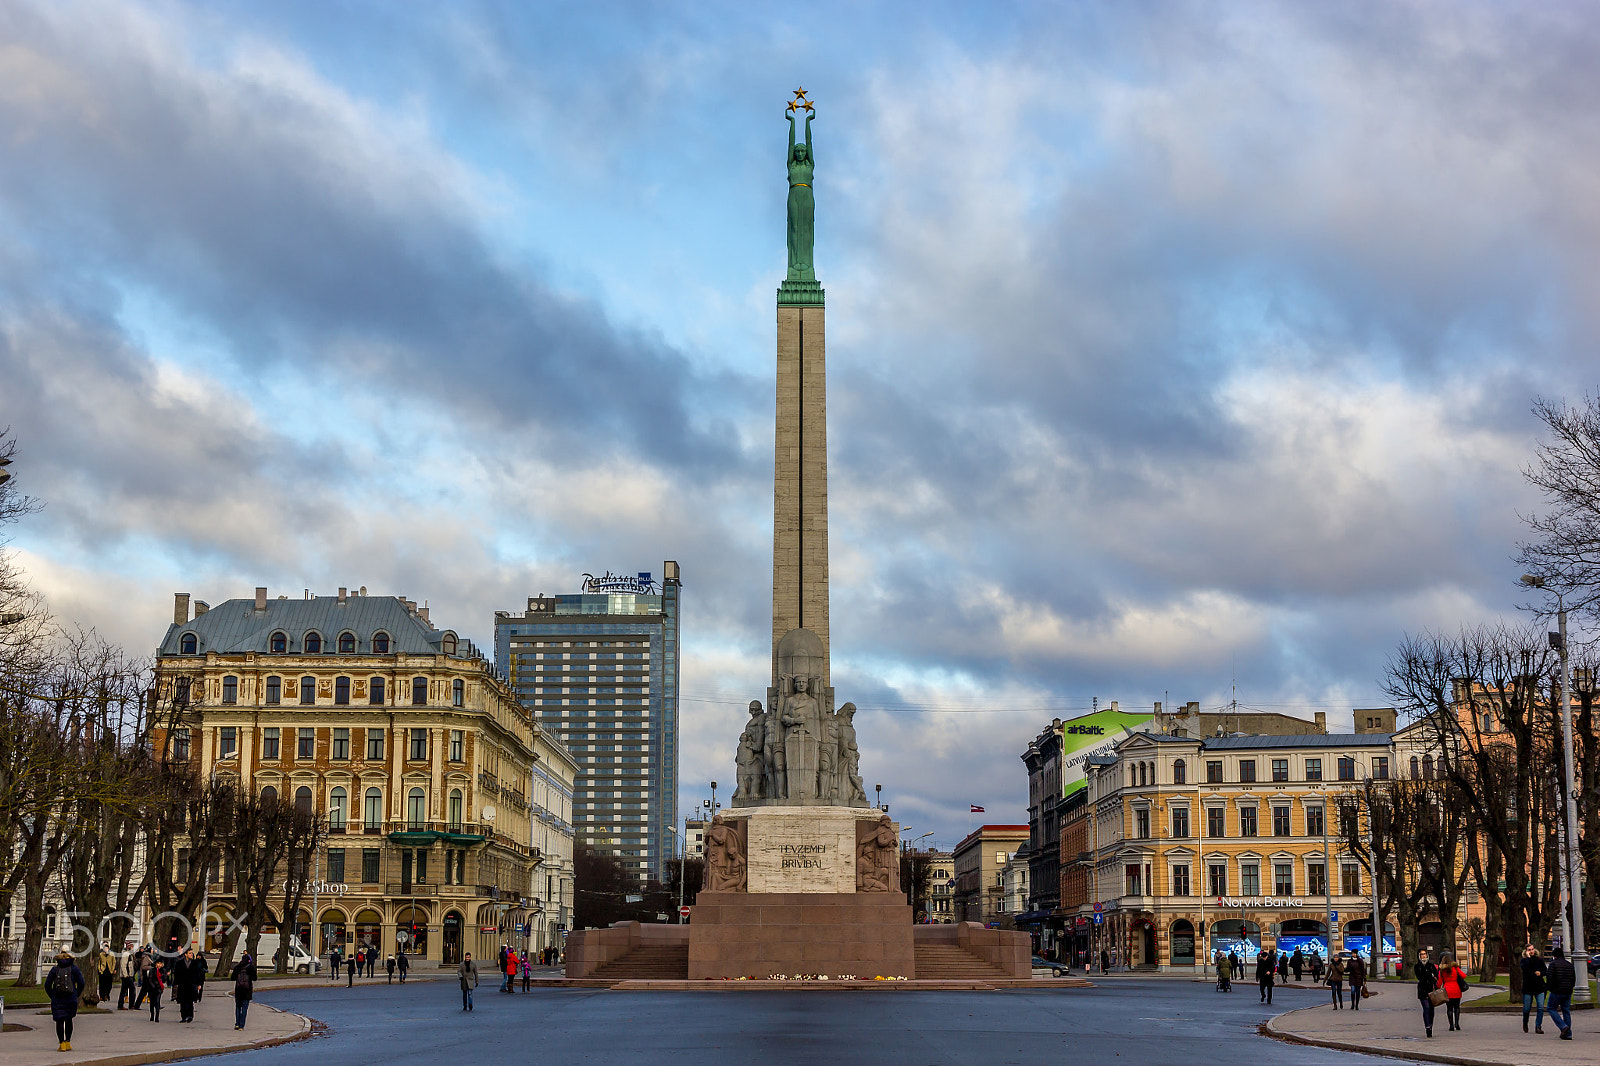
(413, 889)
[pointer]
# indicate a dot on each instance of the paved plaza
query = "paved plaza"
(1155, 1022)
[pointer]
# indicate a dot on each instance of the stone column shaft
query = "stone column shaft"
(800, 482)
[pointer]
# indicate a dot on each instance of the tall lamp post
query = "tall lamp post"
(1571, 883)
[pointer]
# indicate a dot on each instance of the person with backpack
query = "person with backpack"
(244, 988)
(142, 962)
(64, 984)
(389, 965)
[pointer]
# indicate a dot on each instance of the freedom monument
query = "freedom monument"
(802, 874)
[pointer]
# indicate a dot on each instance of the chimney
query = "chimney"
(261, 597)
(201, 607)
(180, 608)
(422, 613)
(1322, 721)
(344, 594)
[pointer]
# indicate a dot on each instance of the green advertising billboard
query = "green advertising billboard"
(1094, 734)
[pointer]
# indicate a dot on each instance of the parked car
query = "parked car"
(1594, 963)
(1046, 968)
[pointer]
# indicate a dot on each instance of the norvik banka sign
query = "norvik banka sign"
(1094, 734)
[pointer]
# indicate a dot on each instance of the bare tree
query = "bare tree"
(308, 832)
(1386, 846)
(1566, 468)
(1481, 695)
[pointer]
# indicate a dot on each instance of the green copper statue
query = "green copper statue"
(802, 205)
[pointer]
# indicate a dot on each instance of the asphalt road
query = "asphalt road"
(1145, 1022)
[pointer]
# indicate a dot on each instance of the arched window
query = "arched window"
(1133, 776)
(458, 692)
(419, 691)
(269, 796)
(375, 692)
(1180, 773)
(347, 643)
(313, 643)
(1142, 779)
(449, 643)
(1488, 723)
(274, 689)
(49, 923)
(380, 643)
(308, 690)
(1427, 767)
(455, 810)
(416, 808)
(336, 810)
(341, 690)
(230, 689)
(302, 800)
(280, 642)
(374, 811)
(1416, 773)
(188, 644)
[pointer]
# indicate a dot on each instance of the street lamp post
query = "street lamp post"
(1571, 882)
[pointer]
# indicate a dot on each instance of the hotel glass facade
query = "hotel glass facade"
(599, 670)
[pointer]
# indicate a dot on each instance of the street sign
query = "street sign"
(683, 912)
(1097, 908)
(402, 936)
(1333, 916)
(660, 917)
(1099, 919)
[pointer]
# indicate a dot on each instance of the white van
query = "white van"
(299, 960)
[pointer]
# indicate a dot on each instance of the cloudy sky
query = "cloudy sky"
(1170, 344)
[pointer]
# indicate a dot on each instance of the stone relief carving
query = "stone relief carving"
(726, 870)
(877, 856)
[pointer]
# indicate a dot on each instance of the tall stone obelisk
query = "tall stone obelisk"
(800, 461)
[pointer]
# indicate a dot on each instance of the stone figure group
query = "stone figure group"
(726, 867)
(877, 857)
(799, 751)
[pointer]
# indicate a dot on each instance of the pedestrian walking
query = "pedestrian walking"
(1316, 968)
(1224, 973)
(1283, 967)
(1336, 984)
(127, 969)
(527, 971)
(404, 964)
(1533, 986)
(372, 961)
(511, 971)
(244, 988)
(1105, 961)
(187, 977)
(389, 966)
(1297, 962)
(1266, 969)
(64, 984)
(335, 962)
(106, 967)
(350, 969)
(468, 973)
(1561, 978)
(1238, 964)
(155, 982)
(142, 962)
(361, 961)
(1454, 982)
(1355, 971)
(1427, 984)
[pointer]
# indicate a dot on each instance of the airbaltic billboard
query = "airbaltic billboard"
(1094, 734)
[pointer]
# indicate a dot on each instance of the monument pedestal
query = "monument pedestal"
(836, 934)
(801, 849)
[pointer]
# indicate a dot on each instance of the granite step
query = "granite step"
(647, 963)
(947, 962)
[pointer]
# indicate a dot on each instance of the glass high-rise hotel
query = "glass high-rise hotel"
(599, 669)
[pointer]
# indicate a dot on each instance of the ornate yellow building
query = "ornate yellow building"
(403, 737)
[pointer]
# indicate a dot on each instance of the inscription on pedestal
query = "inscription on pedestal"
(801, 849)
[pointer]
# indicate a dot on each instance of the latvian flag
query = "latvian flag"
(976, 809)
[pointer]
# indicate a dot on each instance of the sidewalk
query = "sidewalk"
(1390, 1023)
(128, 1038)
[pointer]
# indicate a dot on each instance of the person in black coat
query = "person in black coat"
(244, 988)
(1266, 970)
(188, 975)
(64, 984)
(403, 961)
(1427, 980)
(1562, 979)
(335, 963)
(1532, 988)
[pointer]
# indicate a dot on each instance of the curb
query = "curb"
(1270, 1028)
(193, 1053)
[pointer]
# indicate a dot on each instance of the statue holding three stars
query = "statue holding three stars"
(802, 204)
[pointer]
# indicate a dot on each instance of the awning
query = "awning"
(1035, 916)
(423, 838)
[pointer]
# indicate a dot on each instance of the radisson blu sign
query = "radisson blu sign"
(609, 582)
(1094, 734)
